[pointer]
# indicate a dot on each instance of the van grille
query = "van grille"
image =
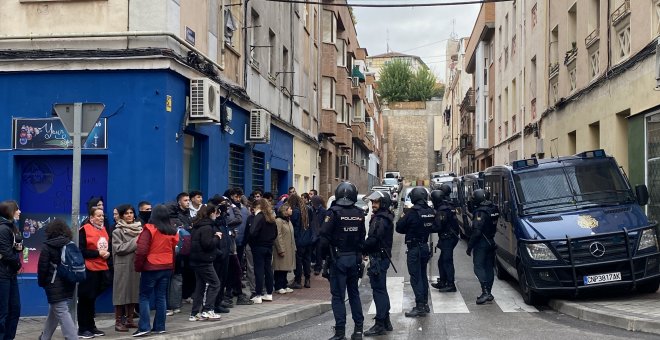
(542, 219)
(618, 210)
(615, 249)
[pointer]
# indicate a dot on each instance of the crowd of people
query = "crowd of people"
(231, 249)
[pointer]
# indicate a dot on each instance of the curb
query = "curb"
(607, 317)
(225, 331)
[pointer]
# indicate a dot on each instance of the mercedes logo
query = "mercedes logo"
(597, 249)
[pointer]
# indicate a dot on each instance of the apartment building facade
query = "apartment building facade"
(377, 62)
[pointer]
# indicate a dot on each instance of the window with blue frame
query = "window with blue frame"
(258, 170)
(236, 166)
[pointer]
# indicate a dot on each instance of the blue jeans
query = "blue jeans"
(10, 308)
(377, 272)
(153, 283)
(483, 259)
(344, 277)
(446, 259)
(418, 257)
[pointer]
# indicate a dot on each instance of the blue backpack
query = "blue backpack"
(72, 266)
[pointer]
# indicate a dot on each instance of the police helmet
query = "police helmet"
(479, 196)
(346, 194)
(446, 189)
(419, 195)
(381, 196)
(437, 196)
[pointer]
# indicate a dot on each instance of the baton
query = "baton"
(389, 258)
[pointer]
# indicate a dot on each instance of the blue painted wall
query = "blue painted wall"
(145, 141)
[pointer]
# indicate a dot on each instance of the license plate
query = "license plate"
(600, 278)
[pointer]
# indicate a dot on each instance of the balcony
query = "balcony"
(344, 136)
(621, 12)
(358, 91)
(328, 122)
(468, 104)
(467, 143)
(591, 38)
(359, 130)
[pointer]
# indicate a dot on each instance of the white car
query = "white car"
(407, 204)
(365, 206)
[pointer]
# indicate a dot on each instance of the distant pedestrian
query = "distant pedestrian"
(304, 240)
(154, 258)
(59, 291)
(285, 248)
(126, 281)
(318, 215)
(11, 245)
(262, 236)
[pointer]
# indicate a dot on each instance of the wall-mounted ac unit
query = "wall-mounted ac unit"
(365, 162)
(258, 129)
(355, 82)
(343, 160)
(204, 100)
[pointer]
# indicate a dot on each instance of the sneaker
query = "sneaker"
(288, 290)
(244, 301)
(158, 332)
(196, 317)
(256, 299)
(86, 335)
(177, 311)
(295, 285)
(188, 300)
(169, 312)
(281, 291)
(267, 297)
(98, 332)
(210, 315)
(140, 333)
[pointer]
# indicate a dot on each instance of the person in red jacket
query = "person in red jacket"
(154, 258)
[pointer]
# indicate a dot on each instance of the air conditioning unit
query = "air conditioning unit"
(365, 162)
(204, 100)
(355, 82)
(343, 160)
(258, 129)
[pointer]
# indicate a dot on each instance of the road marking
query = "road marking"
(395, 291)
(447, 303)
(509, 300)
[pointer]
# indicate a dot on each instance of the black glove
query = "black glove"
(469, 252)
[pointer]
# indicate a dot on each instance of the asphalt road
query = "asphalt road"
(456, 315)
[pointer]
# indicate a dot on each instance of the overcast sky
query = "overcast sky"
(420, 31)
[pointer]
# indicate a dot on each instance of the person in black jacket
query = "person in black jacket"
(204, 241)
(11, 244)
(300, 219)
(263, 233)
(58, 291)
(318, 216)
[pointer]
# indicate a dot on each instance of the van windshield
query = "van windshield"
(390, 181)
(577, 184)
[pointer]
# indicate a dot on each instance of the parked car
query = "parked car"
(438, 179)
(405, 198)
(393, 174)
(365, 206)
(572, 224)
(394, 183)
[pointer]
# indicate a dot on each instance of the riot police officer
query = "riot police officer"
(483, 231)
(417, 224)
(342, 239)
(378, 246)
(445, 218)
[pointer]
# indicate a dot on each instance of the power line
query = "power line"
(430, 4)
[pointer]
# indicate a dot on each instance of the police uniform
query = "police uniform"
(448, 239)
(417, 224)
(342, 239)
(378, 246)
(484, 226)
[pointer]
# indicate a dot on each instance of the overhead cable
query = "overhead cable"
(429, 4)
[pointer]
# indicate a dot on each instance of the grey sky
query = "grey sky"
(410, 28)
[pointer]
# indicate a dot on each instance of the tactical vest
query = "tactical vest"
(420, 232)
(446, 217)
(348, 224)
(491, 215)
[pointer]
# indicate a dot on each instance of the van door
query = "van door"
(507, 223)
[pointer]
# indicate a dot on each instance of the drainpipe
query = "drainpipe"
(291, 63)
(523, 97)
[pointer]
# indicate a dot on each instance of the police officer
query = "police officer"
(342, 239)
(378, 246)
(445, 219)
(483, 231)
(417, 224)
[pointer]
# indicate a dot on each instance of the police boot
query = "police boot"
(388, 323)
(426, 308)
(439, 284)
(340, 333)
(450, 287)
(377, 329)
(417, 311)
(483, 298)
(490, 295)
(357, 332)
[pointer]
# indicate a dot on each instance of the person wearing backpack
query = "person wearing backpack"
(154, 258)
(11, 244)
(126, 281)
(59, 290)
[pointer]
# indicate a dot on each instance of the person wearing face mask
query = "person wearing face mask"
(11, 244)
(144, 212)
(94, 244)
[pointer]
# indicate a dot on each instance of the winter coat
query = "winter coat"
(303, 233)
(240, 229)
(318, 217)
(284, 243)
(10, 262)
(126, 281)
(51, 254)
(262, 232)
(204, 243)
(234, 220)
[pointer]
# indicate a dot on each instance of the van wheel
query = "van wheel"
(649, 286)
(500, 273)
(529, 296)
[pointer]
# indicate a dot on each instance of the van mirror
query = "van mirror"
(400, 179)
(642, 193)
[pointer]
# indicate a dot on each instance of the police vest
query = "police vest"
(490, 213)
(97, 239)
(446, 218)
(161, 250)
(348, 230)
(420, 231)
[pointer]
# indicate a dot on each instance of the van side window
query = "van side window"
(494, 186)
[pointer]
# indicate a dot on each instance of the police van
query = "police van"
(572, 224)
(464, 186)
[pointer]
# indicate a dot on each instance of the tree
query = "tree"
(422, 86)
(395, 80)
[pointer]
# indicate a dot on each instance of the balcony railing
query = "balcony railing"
(467, 142)
(468, 104)
(621, 12)
(591, 38)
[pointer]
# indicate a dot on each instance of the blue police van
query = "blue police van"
(464, 186)
(572, 224)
